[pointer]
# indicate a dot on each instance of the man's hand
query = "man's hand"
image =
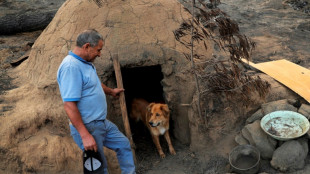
(116, 91)
(89, 142)
(76, 119)
(113, 92)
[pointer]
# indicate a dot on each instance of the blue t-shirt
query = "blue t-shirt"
(78, 81)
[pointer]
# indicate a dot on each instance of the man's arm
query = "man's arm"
(76, 119)
(109, 91)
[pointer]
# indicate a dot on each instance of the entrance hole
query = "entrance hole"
(143, 82)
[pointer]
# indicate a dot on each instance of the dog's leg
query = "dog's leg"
(157, 144)
(171, 149)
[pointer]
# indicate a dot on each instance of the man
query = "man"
(85, 102)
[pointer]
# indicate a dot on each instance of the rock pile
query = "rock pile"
(285, 156)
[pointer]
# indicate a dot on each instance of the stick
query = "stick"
(119, 81)
(192, 60)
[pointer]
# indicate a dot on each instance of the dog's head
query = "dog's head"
(157, 114)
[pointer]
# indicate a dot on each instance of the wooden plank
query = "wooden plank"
(119, 81)
(249, 62)
(295, 77)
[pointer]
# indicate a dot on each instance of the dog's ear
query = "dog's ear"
(149, 107)
(165, 109)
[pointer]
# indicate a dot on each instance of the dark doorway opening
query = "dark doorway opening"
(143, 82)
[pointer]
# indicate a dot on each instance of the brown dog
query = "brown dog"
(156, 117)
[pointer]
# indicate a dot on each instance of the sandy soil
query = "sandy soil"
(281, 31)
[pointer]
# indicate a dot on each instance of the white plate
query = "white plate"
(285, 125)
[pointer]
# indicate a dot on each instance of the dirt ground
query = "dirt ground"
(281, 30)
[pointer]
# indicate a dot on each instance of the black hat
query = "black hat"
(92, 162)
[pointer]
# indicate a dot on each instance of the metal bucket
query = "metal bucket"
(245, 159)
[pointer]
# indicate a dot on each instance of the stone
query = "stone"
(304, 142)
(241, 140)
(285, 104)
(168, 68)
(279, 91)
(256, 116)
(261, 140)
(272, 141)
(294, 102)
(246, 134)
(304, 110)
(276, 106)
(289, 157)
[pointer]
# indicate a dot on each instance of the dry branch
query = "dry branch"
(220, 76)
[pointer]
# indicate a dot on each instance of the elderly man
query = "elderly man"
(85, 102)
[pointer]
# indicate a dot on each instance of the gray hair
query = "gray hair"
(90, 36)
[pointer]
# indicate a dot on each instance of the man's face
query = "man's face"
(94, 52)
